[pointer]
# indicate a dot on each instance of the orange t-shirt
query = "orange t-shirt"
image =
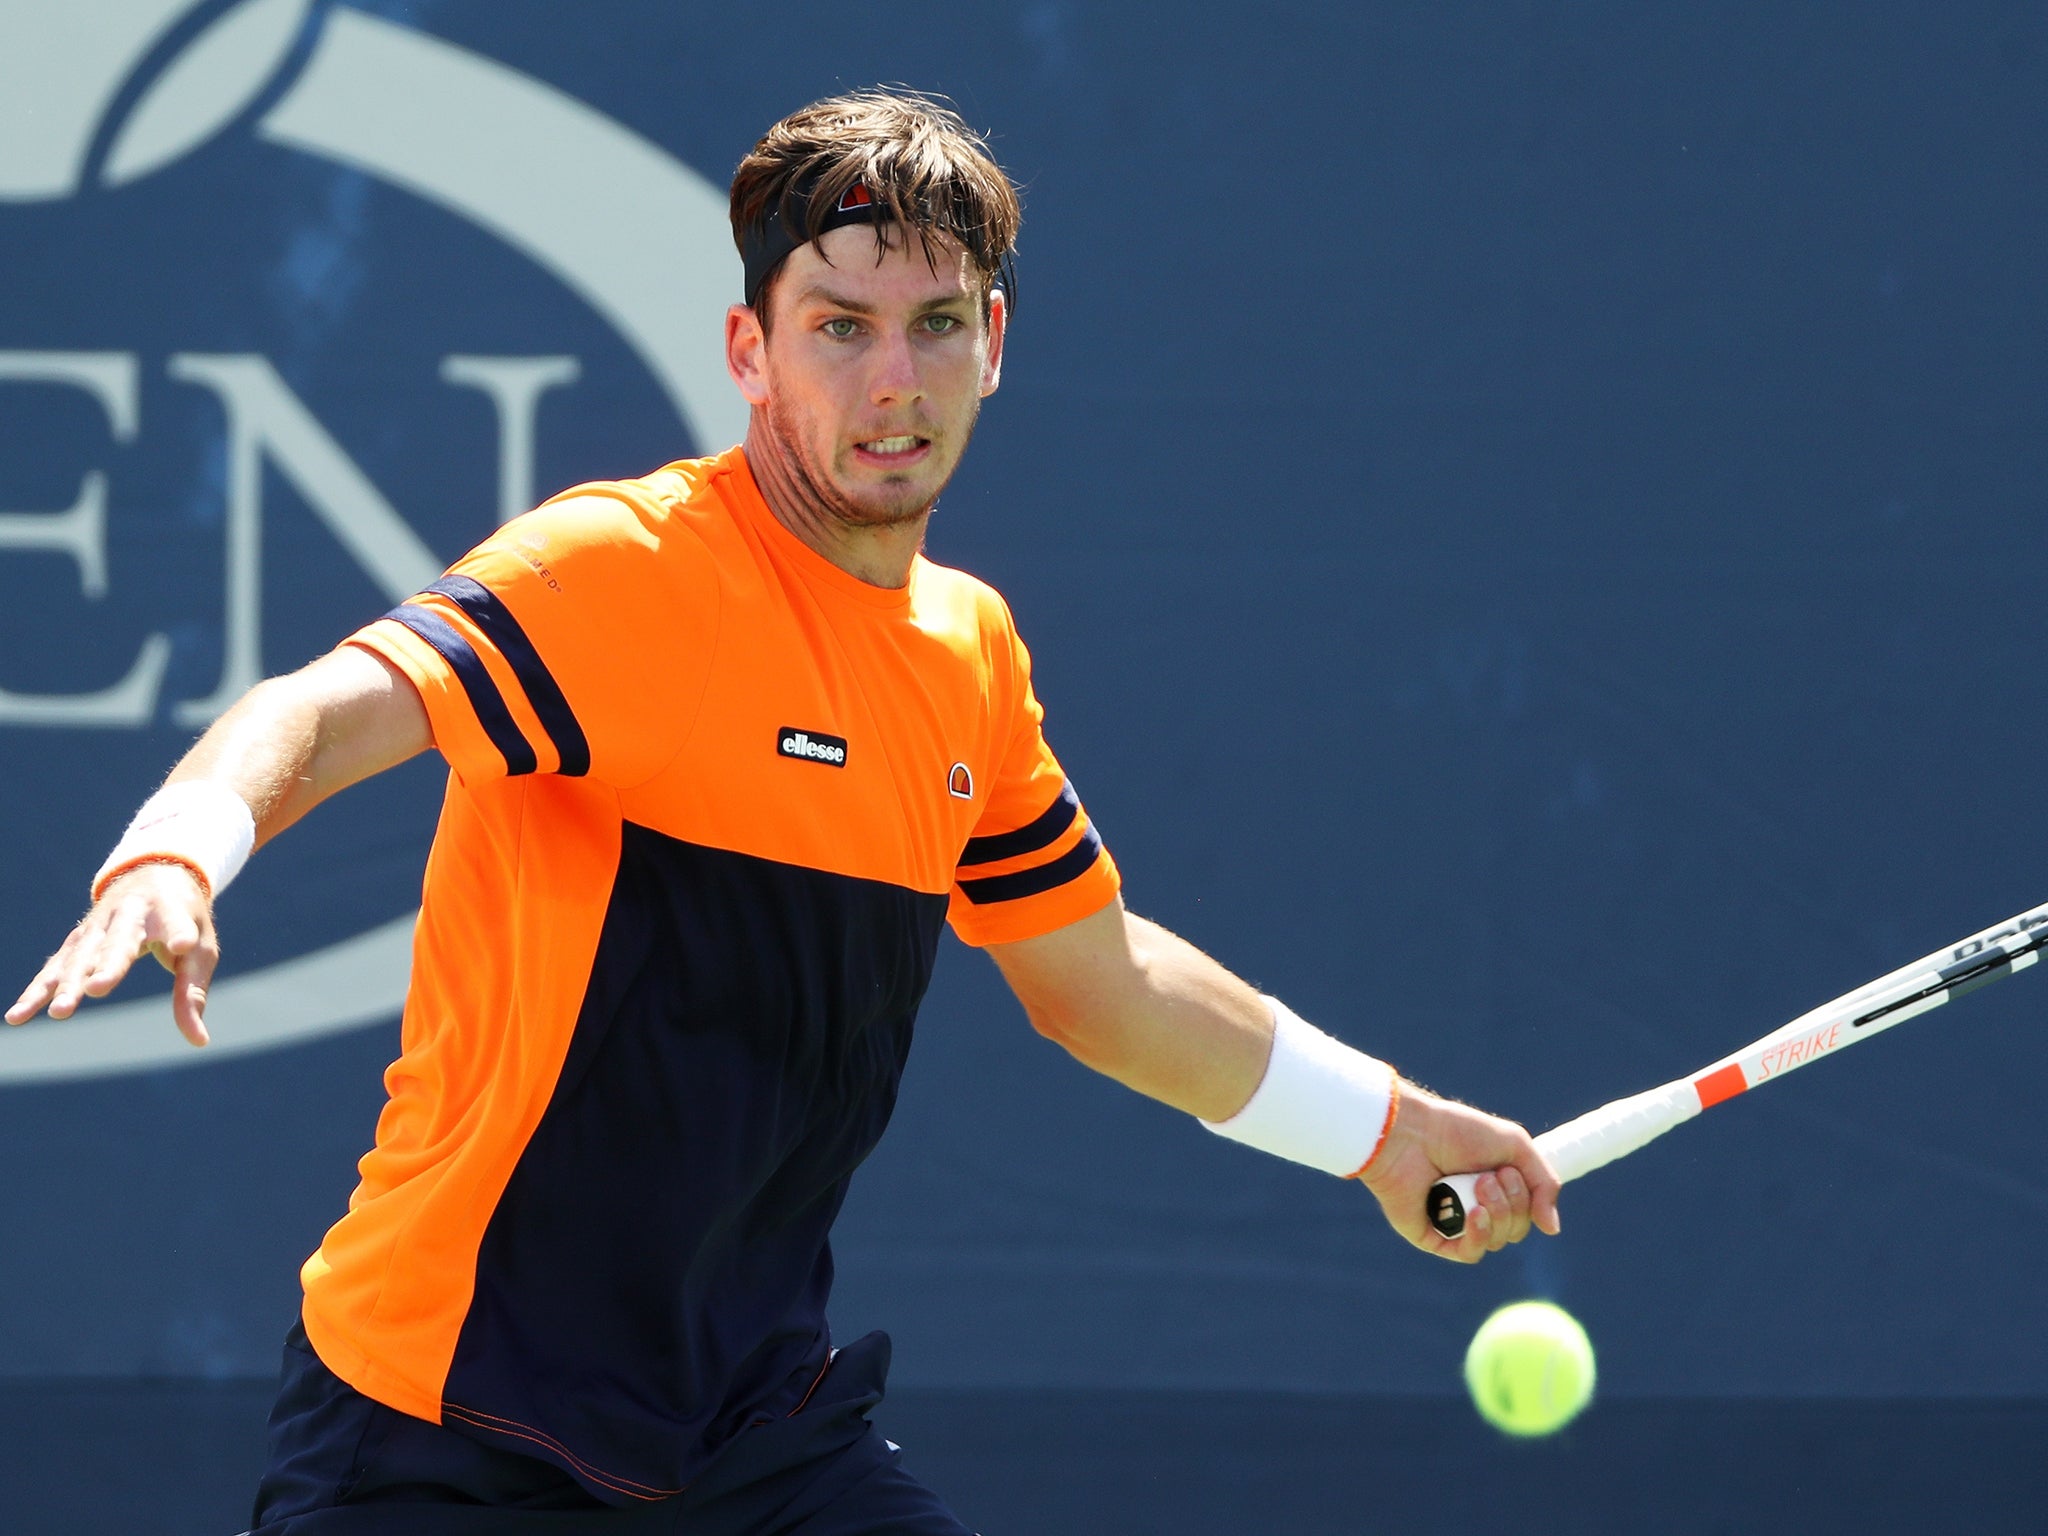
(712, 798)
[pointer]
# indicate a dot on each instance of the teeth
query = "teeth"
(890, 444)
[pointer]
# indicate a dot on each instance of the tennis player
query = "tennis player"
(726, 751)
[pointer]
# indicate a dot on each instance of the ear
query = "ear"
(746, 354)
(998, 327)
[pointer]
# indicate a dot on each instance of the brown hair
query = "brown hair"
(917, 158)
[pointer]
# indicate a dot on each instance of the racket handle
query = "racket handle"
(1578, 1146)
(1450, 1197)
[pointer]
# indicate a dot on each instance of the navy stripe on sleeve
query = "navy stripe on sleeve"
(1069, 866)
(484, 697)
(496, 621)
(1047, 829)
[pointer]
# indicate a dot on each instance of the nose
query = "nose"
(895, 379)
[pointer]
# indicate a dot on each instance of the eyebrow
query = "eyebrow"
(817, 293)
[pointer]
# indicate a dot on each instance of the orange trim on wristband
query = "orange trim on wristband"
(99, 886)
(1387, 1125)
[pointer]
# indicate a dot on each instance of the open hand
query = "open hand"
(156, 909)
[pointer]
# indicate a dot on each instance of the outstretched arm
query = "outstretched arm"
(1147, 1008)
(286, 746)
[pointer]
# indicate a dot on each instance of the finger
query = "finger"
(1494, 1220)
(1453, 1248)
(33, 996)
(1515, 1189)
(1514, 1186)
(175, 932)
(73, 967)
(1544, 1187)
(192, 977)
(172, 935)
(1468, 1249)
(1477, 1240)
(38, 992)
(121, 944)
(44, 987)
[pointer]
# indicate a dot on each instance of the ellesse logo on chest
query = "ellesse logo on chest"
(811, 746)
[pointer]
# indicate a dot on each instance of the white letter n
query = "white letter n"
(265, 419)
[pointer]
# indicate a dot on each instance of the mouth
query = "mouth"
(893, 452)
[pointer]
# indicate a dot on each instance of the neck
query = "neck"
(879, 554)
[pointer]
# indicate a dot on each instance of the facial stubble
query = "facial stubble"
(823, 493)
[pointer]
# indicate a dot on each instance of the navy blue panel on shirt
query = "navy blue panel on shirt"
(655, 1275)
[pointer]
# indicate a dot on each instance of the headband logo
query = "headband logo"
(769, 239)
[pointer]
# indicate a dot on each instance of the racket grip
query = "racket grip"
(1577, 1147)
(1450, 1197)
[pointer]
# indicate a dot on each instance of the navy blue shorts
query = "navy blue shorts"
(342, 1465)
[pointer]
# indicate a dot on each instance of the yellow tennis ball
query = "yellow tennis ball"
(1530, 1368)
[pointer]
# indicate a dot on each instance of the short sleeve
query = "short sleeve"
(1035, 862)
(575, 640)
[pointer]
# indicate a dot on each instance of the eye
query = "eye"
(839, 328)
(942, 325)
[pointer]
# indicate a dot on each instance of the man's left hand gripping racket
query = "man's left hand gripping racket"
(1616, 1129)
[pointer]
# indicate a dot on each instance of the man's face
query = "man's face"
(872, 371)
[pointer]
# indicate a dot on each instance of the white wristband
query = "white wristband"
(1320, 1102)
(200, 823)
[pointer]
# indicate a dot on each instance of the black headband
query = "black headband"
(768, 242)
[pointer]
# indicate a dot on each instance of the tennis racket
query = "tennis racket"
(1616, 1129)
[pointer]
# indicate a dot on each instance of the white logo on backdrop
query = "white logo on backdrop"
(538, 169)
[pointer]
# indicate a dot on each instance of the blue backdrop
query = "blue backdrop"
(1527, 520)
